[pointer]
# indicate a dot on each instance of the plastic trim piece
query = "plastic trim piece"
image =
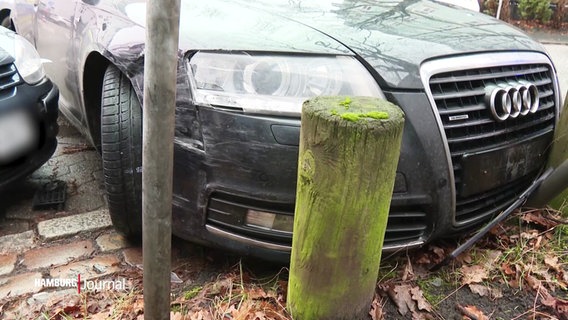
(278, 247)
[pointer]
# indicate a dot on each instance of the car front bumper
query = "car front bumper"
(232, 167)
(247, 163)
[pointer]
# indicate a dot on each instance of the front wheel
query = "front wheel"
(121, 139)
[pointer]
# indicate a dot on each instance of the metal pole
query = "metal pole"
(160, 68)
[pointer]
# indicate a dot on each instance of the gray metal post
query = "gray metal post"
(160, 67)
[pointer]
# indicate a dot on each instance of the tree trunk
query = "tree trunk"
(558, 17)
(348, 157)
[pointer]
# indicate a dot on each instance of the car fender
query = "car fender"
(23, 15)
(557, 182)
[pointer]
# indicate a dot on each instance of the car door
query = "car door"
(55, 32)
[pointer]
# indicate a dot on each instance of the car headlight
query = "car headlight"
(27, 60)
(275, 84)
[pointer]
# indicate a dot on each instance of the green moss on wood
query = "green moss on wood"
(346, 103)
(376, 115)
(350, 116)
(353, 117)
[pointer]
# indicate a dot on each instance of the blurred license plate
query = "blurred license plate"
(18, 134)
(486, 170)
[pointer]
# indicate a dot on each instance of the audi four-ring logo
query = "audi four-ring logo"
(511, 99)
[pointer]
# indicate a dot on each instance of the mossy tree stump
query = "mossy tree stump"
(349, 150)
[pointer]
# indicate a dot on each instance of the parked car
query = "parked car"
(28, 109)
(481, 101)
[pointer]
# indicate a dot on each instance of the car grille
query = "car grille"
(9, 79)
(460, 95)
(406, 224)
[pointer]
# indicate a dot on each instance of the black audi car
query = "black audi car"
(481, 101)
(28, 109)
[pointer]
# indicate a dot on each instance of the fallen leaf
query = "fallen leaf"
(423, 259)
(465, 258)
(101, 316)
(72, 309)
(533, 282)
(562, 309)
(491, 258)
(472, 312)
(201, 315)
(473, 274)
(529, 235)
(257, 293)
(514, 283)
(506, 268)
(485, 291)
(536, 217)
(259, 315)
(552, 262)
(400, 295)
(409, 299)
(376, 312)
(176, 316)
(220, 286)
(418, 296)
(441, 253)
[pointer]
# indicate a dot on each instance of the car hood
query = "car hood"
(392, 37)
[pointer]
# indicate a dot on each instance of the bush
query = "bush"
(489, 7)
(535, 10)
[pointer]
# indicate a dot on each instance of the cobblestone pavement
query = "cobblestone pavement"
(60, 244)
(38, 246)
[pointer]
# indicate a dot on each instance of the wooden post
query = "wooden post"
(349, 150)
(160, 70)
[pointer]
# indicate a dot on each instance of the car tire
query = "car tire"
(121, 144)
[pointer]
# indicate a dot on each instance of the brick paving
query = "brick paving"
(56, 255)
(88, 269)
(19, 285)
(7, 263)
(111, 241)
(38, 246)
